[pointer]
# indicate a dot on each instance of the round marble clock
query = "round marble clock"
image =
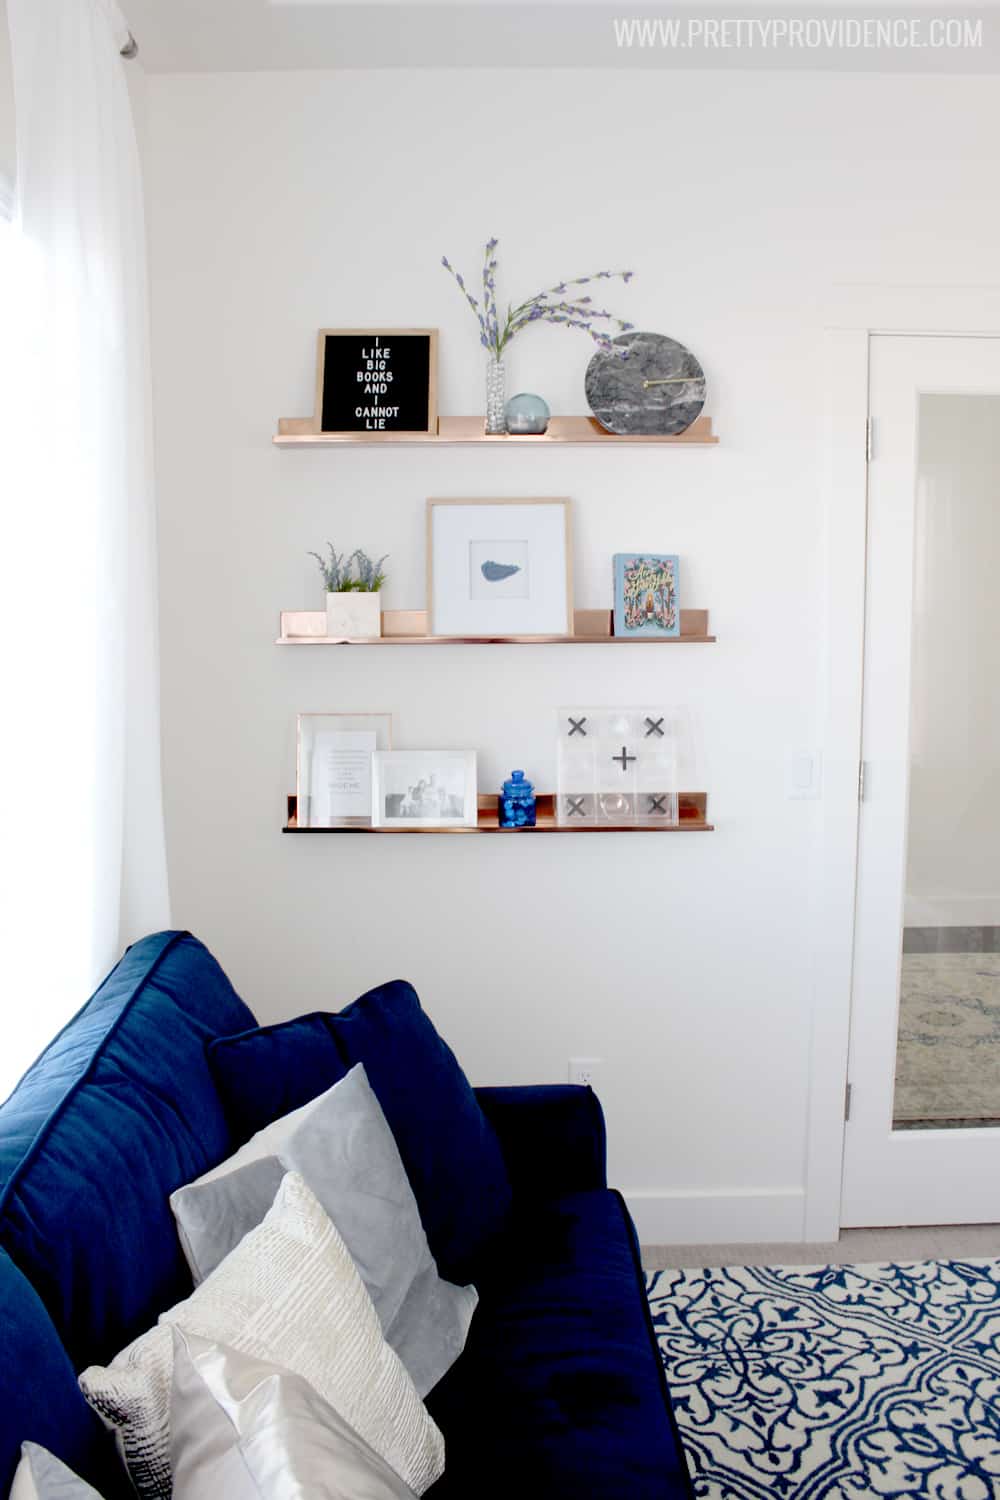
(658, 389)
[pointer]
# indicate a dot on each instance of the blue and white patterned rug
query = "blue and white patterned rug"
(835, 1382)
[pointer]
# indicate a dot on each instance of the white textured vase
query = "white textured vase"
(354, 616)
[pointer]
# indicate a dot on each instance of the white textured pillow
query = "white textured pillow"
(245, 1430)
(42, 1476)
(290, 1295)
(341, 1144)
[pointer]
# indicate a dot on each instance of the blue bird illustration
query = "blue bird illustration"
(493, 572)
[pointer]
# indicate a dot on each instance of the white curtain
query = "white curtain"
(82, 856)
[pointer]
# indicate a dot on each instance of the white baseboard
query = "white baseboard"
(952, 911)
(765, 1215)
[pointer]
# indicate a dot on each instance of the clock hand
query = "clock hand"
(673, 380)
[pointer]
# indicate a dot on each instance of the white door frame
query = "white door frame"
(855, 314)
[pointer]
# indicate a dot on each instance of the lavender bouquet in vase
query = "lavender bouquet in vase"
(557, 304)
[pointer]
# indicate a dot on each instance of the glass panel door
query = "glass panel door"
(922, 1144)
(948, 1052)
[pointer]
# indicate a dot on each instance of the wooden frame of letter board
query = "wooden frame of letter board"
(432, 379)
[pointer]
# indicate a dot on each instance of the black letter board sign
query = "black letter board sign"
(377, 381)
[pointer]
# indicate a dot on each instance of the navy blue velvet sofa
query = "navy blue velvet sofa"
(560, 1392)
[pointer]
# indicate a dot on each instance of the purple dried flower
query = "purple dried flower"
(577, 312)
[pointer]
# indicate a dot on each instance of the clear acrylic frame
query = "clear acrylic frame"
(333, 767)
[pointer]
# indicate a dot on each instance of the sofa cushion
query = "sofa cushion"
(449, 1148)
(118, 1111)
(265, 1073)
(41, 1399)
(561, 1383)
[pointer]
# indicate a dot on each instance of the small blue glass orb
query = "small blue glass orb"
(525, 413)
(517, 803)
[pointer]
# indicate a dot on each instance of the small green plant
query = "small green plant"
(338, 577)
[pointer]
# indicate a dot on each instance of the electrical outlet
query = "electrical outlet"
(585, 1070)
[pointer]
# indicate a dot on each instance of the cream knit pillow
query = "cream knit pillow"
(291, 1295)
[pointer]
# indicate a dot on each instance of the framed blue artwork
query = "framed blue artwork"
(646, 594)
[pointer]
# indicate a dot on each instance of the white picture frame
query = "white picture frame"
(499, 569)
(414, 789)
(333, 767)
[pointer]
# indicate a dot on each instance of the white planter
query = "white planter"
(356, 616)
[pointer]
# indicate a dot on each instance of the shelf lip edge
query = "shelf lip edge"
(464, 640)
(567, 430)
(315, 441)
(690, 827)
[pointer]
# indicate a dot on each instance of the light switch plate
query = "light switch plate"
(804, 775)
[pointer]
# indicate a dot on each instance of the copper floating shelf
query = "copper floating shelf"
(693, 814)
(454, 432)
(408, 627)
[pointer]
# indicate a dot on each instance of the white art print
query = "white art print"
(424, 789)
(499, 568)
(341, 775)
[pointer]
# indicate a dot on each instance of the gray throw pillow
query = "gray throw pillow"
(42, 1476)
(248, 1430)
(341, 1145)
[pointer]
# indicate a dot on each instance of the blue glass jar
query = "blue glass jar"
(517, 803)
(526, 415)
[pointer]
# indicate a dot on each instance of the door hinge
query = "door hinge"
(848, 1091)
(862, 778)
(869, 439)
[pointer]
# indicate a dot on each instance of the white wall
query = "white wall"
(953, 850)
(283, 202)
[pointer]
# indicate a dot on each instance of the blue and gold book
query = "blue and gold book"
(646, 594)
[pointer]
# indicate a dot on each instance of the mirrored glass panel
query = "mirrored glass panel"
(948, 1055)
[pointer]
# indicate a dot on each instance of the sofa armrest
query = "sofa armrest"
(552, 1137)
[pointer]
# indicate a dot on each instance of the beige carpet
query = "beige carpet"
(948, 1060)
(929, 1242)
